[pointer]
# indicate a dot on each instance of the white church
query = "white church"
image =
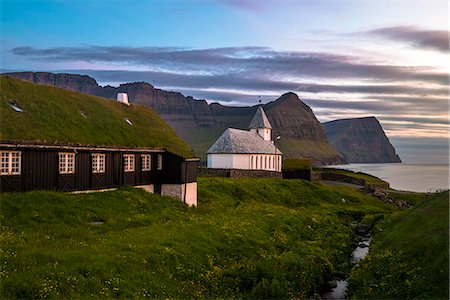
(248, 150)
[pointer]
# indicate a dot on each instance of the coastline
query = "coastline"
(406, 177)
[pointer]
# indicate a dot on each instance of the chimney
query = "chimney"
(123, 98)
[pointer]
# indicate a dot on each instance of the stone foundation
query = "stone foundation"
(342, 178)
(148, 188)
(297, 174)
(186, 192)
(239, 173)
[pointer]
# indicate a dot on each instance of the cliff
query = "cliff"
(300, 131)
(361, 140)
(200, 124)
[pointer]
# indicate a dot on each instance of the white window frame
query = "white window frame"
(66, 162)
(8, 166)
(146, 162)
(98, 163)
(159, 162)
(128, 162)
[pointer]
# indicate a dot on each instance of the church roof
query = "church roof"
(242, 141)
(260, 120)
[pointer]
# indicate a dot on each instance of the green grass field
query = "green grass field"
(55, 115)
(410, 255)
(248, 238)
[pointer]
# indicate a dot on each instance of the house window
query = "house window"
(146, 162)
(11, 161)
(98, 163)
(159, 162)
(128, 162)
(66, 163)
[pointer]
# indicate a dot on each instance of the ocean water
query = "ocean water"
(406, 177)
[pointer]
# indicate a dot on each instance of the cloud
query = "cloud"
(248, 62)
(421, 38)
(252, 5)
(335, 86)
(235, 81)
(397, 110)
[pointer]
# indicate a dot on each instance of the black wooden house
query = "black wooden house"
(26, 167)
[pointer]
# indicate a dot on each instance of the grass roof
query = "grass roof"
(54, 115)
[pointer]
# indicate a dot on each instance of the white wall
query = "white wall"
(220, 161)
(268, 162)
(178, 191)
(265, 133)
(191, 193)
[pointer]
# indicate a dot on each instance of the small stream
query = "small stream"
(339, 289)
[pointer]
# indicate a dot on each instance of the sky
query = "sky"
(345, 59)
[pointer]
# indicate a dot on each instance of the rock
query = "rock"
(362, 229)
(365, 238)
(363, 245)
(380, 193)
(361, 140)
(316, 296)
(331, 284)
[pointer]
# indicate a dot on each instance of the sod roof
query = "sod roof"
(58, 116)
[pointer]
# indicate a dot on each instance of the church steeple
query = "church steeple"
(261, 125)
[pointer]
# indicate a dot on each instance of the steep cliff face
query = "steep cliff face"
(292, 118)
(361, 140)
(200, 124)
(75, 82)
(301, 134)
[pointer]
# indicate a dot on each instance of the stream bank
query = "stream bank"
(337, 288)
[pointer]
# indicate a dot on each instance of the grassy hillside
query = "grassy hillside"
(249, 238)
(369, 179)
(296, 164)
(318, 151)
(57, 115)
(410, 256)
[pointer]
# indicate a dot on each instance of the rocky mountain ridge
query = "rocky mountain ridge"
(361, 140)
(200, 123)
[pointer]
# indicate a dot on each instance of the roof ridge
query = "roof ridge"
(260, 120)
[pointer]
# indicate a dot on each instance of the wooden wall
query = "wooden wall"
(40, 171)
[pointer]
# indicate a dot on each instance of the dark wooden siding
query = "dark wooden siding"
(172, 168)
(83, 170)
(40, 171)
(178, 170)
(157, 175)
(189, 171)
(11, 183)
(117, 167)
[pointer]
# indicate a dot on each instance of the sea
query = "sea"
(406, 177)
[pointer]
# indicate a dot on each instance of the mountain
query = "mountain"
(200, 123)
(361, 140)
(301, 134)
(54, 115)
